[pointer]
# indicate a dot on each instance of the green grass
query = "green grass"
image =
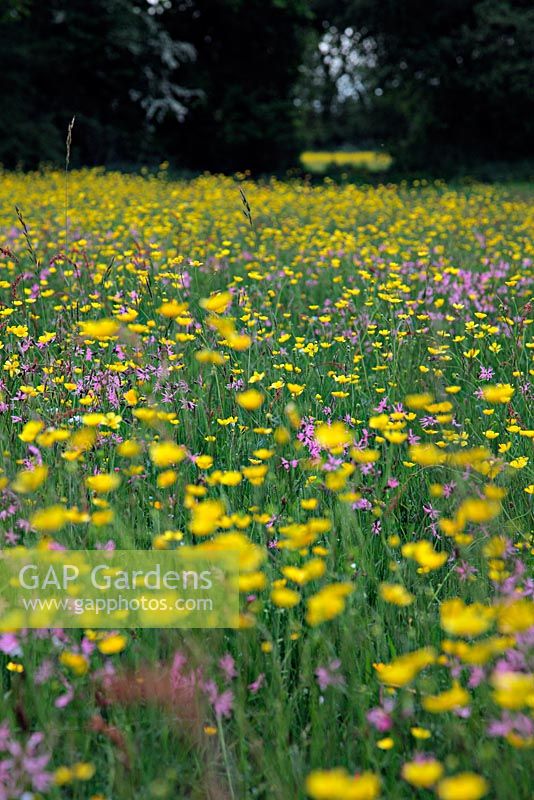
(383, 285)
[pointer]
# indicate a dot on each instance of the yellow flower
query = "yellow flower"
(21, 331)
(204, 462)
(172, 309)
(502, 393)
(516, 616)
(455, 697)
(167, 478)
(206, 517)
(420, 733)
(422, 774)
(364, 456)
(209, 357)
(427, 455)
(94, 419)
(513, 690)
(252, 582)
(387, 743)
(494, 492)
(380, 422)
(328, 603)
(418, 401)
(396, 594)
(218, 303)
(424, 554)
(405, 668)
(255, 474)
(263, 454)
(337, 784)
(285, 598)
(63, 776)
(459, 619)
(112, 644)
(131, 397)
(282, 436)
(230, 478)
(103, 482)
(477, 511)
(296, 389)
(101, 518)
(333, 436)
(83, 771)
(250, 400)
(99, 329)
(76, 662)
(312, 569)
(251, 555)
(129, 448)
(395, 437)
(225, 421)
(30, 430)
(519, 463)
(309, 504)
(49, 520)
(223, 325)
(166, 454)
(28, 481)
(481, 652)
(239, 342)
(464, 786)
(49, 437)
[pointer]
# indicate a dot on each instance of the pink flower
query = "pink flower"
(9, 644)
(465, 570)
(227, 664)
(87, 647)
(328, 676)
(64, 699)
(178, 663)
(379, 719)
(292, 464)
(224, 703)
(256, 685)
(463, 713)
(43, 672)
(476, 677)
(109, 545)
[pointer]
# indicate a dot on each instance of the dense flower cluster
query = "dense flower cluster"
(337, 385)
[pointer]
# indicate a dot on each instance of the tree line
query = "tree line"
(245, 84)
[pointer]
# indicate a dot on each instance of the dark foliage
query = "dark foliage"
(123, 73)
(453, 80)
(219, 84)
(248, 55)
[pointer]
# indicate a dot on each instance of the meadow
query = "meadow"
(333, 381)
(366, 160)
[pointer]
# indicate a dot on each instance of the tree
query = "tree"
(129, 71)
(249, 53)
(452, 80)
(110, 62)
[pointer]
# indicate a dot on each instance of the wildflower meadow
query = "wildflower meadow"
(334, 382)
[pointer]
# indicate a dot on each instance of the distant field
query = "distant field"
(319, 161)
(333, 382)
